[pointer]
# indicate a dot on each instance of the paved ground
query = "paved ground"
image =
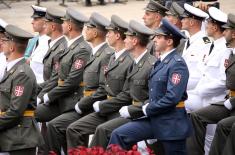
(21, 11)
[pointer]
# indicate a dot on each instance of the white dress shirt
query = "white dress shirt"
(119, 53)
(140, 57)
(10, 64)
(95, 49)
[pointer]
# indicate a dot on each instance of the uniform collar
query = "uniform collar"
(162, 57)
(139, 58)
(54, 41)
(70, 42)
(119, 53)
(95, 49)
(197, 35)
(219, 41)
(12, 63)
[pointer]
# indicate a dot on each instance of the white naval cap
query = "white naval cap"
(38, 11)
(193, 12)
(217, 15)
(3, 25)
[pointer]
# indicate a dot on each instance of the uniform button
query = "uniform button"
(151, 99)
(151, 89)
(107, 85)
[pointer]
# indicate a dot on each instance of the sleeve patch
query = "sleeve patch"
(175, 79)
(226, 63)
(78, 64)
(56, 65)
(105, 69)
(19, 90)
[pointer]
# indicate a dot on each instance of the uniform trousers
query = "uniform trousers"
(200, 119)
(223, 142)
(78, 131)
(29, 151)
(55, 137)
(103, 131)
(129, 134)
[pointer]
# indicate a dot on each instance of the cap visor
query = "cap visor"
(109, 28)
(128, 33)
(159, 32)
(226, 26)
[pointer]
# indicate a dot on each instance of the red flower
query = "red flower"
(52, 153)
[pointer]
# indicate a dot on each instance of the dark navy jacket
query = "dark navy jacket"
(167, 87)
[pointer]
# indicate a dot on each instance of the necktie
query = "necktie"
(211, 48)
(188, 44)
(112, 60)
(157, 62)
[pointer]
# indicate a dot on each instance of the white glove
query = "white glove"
(144, 108)
(78, 110)
(96, 106)
(228, 105)
(46, 99)
(39, 101)
(124, 112)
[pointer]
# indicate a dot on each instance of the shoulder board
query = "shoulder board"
(109, 50)
(151, 60)
(178, 58)
(206, 40)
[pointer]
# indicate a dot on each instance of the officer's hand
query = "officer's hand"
(228, 104)
(78, 110)
(46, 99)
(96, 106)
(124, 112)
(39, 101)
(144, 109)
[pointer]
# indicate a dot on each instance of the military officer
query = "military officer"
(42, 44)
(174, 17)
(166, 118)
(63, 97)
(198, 45)
(211, 87)
(117, 69)
(3, 24)
(38, 12)
(57, 45)
(19, 132)
(53, 28)
(101, 52)
(136, 90)
(115, 77)
(154, 12)
(222, 109)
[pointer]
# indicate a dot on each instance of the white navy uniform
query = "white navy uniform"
(211, 86)
(194, 54)
(36, 58)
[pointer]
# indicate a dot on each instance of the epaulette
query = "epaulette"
(151, 60)
(206, 40)
(109, 50)
(178, 58)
